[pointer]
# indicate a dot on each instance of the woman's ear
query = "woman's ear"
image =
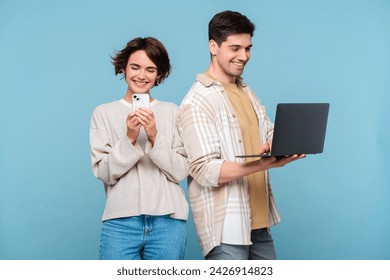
(158, 80)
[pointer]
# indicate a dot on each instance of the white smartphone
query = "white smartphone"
(140, 100)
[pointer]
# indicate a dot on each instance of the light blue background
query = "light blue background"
(55, 68)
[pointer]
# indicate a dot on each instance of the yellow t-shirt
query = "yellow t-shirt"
(249, 126)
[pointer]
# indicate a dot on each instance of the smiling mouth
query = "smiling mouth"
(239, 64)
(140, 84)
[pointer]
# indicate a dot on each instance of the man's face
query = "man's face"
(231, 57)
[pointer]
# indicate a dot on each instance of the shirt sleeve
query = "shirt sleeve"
(200, 137)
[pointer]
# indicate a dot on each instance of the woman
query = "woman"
(138, 155)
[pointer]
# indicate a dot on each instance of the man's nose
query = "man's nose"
(244, 55)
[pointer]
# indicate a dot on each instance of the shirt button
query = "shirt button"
(233, 115)
(240, 141)
(223, 92)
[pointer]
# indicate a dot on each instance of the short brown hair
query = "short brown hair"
(227, 23)
(154, 49)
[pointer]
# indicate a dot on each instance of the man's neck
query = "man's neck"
(220, 77)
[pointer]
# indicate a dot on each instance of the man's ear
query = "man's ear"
(213, 47)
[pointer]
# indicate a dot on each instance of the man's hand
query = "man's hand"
(266, 147)
(274, 162)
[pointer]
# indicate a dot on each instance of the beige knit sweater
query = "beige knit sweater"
(138, 179)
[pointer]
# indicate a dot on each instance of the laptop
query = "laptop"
(299, 129)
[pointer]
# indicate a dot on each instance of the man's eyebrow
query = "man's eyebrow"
(239, 46)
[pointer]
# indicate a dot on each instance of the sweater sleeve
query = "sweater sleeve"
(110, 161)
(168, 152)
(170, 159)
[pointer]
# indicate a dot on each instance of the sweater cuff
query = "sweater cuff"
(132, 149)
(158, 144)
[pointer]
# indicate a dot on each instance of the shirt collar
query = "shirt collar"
(207, 81)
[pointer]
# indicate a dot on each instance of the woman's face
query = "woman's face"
(141, 73)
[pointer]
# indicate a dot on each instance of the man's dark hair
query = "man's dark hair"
(154, 49)
(227, 23)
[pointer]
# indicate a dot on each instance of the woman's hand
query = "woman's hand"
(133, 127)
(146, 118)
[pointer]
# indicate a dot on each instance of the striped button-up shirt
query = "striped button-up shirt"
(211, 135)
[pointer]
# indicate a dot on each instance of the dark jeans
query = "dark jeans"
(261, 249)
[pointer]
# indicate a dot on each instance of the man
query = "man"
(221, 117)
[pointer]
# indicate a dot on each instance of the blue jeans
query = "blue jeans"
(262, 248)
(143, 238)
